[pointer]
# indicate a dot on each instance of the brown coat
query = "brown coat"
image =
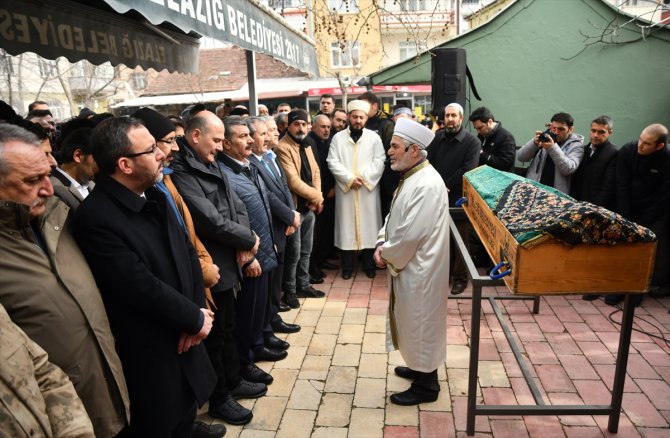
(206, 263)
(288, 152)
(38, 398)
(55, 300)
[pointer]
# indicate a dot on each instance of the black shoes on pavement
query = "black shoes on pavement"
(346, 275)
(291, 300)
(404, 372)
(413, 396)
(204, 430)
(275, 343)
(246, 389)
(252, 373)
(285, 327)
(458, 287)
(230, 411)
(309, 292)
(269, 355)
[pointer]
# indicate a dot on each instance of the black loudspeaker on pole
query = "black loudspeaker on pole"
(448, 75)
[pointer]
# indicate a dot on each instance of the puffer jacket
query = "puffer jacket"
(244, 181)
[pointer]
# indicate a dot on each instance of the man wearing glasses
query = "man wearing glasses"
(150, 281)
(554, 154)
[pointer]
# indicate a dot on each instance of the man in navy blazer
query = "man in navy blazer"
(285, 220)
(150, 281)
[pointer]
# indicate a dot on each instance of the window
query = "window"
(47, 67)
(413, 5)
(347, 57)
(138, 81)
(343, 6)
(407, 50)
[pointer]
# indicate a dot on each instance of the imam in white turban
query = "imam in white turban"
(359, 105)
(413, 132)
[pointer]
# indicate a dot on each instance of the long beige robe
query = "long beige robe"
(357, 211)
(416, 250)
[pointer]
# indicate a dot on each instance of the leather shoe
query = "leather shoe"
(328, 265)
(316, 272)
(291, 300)
(414, 396)
(204, 430)
(247, 389)
(346, 275)
(285, 327)
(252, 373)
(269, 355)
(404, 372)
(275, 343)
(590, 297)
(231, 411)
(315, 280)
(458, 287)
(310, 292)
(371, 273)
(283, 307)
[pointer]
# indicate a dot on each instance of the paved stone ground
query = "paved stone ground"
(337, 378)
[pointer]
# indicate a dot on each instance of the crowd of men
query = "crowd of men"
(151, 257)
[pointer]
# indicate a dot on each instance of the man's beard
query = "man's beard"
(299, 136)
(452, 129)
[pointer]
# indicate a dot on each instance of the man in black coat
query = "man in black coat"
(453, 152)
(498, 144)
(150, 281)
(643, 196)
(595, 179)
(324, 227)
(222, 224)
(285, 220)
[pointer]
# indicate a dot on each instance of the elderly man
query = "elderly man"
(46, 285)
(453, 152)
(414, 245)
(356, 160)
(222, 224)
(304, 180)
(263, 110)
(150, 281)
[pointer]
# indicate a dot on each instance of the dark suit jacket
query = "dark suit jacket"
(219, 215)
(281, 201)
(595, 179)
(150, 281)
(64, 189)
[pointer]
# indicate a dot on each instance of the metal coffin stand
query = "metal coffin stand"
(540, 408)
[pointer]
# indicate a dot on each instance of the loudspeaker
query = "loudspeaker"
(448, 78)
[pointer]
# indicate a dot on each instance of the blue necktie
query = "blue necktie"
(267, 166)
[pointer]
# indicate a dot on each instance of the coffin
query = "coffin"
(578, 247)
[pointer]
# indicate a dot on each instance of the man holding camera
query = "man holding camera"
(554, 154)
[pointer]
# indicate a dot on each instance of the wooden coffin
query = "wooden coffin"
(553, 268)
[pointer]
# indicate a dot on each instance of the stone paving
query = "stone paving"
(337, 377)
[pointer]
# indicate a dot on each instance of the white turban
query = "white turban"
(413, 132)
(359, 105)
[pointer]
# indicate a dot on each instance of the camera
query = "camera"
(544, 137)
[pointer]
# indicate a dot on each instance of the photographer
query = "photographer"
(563, 148)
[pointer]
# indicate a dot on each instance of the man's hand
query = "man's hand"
(243, 257)
(296, 220)
(378, 257)
(319, 208)
(289, 230)
(217, 276)
(358, 182)
(187, 341)
(253, 270)
(331, 193)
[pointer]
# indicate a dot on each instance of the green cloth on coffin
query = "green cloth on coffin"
(533, 212)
